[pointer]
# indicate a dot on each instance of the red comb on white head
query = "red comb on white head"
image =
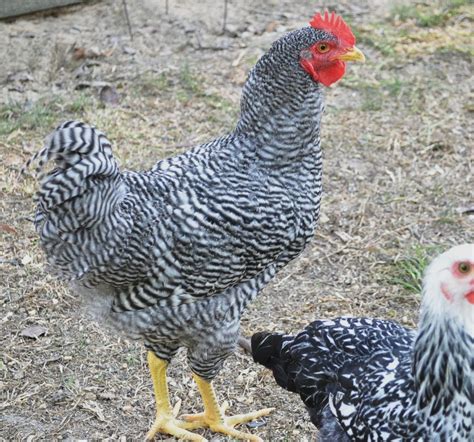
(334, 24)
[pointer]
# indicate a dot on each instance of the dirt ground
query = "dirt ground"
(397, 139)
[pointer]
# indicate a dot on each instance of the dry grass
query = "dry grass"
(398, 178)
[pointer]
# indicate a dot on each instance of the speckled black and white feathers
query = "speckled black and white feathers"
(178, 251)
(360, 378)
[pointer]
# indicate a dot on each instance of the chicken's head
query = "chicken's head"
(325, 60)
(449, 285)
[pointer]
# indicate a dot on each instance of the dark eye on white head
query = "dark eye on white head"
(464, 267)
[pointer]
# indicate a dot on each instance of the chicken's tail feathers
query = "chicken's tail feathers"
(81, 216)
(269, 350)
(78, 152)
(266, 347)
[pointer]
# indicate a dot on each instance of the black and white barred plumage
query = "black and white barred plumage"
(365, 379)
(174, 254)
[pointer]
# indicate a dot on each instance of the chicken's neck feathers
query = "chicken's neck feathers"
(281, 108)
(442, 363)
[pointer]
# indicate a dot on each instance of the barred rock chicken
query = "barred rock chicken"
(173, 255)
(368, 379)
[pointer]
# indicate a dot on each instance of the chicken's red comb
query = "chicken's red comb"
(334, 24)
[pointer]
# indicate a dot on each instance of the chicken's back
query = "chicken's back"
(192, 227)
(353, 374)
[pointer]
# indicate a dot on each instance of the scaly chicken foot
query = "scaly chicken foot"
(165, 421)
(168, 424)
(213, 416)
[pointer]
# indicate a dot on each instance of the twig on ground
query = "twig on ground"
(224, 23)
(124, 2)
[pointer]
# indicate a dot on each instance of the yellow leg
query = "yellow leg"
(165, 422)
(214, 418)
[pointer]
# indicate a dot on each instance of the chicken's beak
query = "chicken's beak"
(353, 54)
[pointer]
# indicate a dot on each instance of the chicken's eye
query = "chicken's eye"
(322, 47)
(464, 267)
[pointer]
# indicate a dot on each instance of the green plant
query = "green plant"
(38, 115)
(407, 272)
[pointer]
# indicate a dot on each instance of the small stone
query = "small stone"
(128, 50)
(107, 396)
(323, 218)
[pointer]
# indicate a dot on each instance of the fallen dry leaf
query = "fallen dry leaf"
(8, 229)
(128, 50)
(257, 423)
(271, 27)
(79, 53)
(94, 408)
(109, 95)
(21, 76)
(34, 331)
